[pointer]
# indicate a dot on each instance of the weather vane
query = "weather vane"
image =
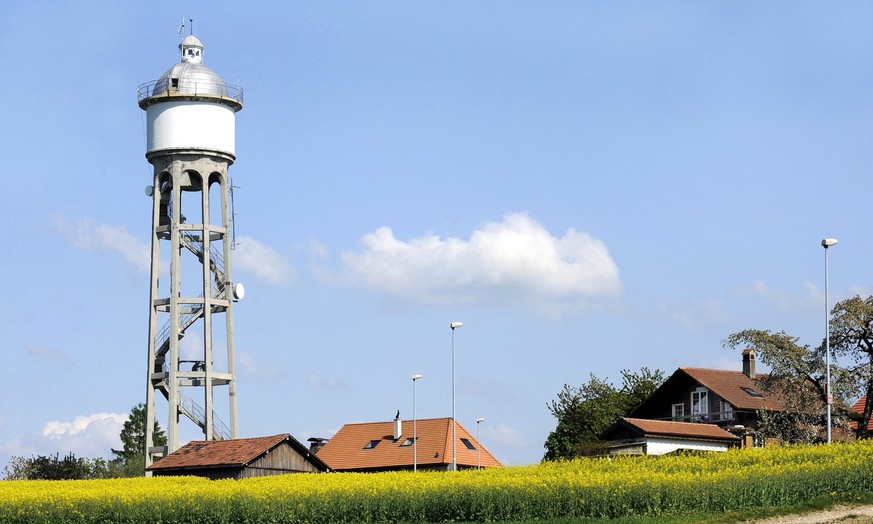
(182, 26)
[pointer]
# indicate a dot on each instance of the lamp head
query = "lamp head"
(454, 325)
(828, 242)
(416, 377)
(480, 419)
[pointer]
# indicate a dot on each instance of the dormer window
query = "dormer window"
(372, 444)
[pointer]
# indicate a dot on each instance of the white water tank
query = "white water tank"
(190, 107)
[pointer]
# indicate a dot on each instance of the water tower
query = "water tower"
(190, 115)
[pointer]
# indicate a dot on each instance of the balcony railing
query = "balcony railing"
(189, 87)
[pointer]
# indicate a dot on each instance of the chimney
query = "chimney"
(398, 429)
(749, 362)
(316, 443)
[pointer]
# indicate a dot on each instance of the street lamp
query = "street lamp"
(826, 243)
(414, 432)
(478, 444)
(454, 325)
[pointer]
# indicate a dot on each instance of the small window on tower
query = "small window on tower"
(174, 82)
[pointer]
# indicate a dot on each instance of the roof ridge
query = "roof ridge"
(392, 421)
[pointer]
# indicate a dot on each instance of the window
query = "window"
(678, 411)
(727, 410)
(407, 442)
(699, 404)
(752, 392)
(372, 444)
(468, 443)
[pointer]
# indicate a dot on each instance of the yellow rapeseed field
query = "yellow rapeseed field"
(602, 487)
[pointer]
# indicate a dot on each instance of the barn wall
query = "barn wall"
(283, 459)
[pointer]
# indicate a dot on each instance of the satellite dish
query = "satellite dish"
(239, 291)
(149, 190)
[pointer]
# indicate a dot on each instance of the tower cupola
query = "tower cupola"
(192, 50)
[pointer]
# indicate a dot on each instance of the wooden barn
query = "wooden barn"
(240, 458)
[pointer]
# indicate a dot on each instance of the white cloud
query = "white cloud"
(515, 259)
(320, 382)
(811, 298)
(261, 261)
(693, 314)
(251, 367)
(86, 234)
(503, 435)
(85, 436)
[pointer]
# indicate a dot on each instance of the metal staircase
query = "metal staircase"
(187, 317)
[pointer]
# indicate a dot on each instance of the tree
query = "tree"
(130, 460)
(797, 376)
(584, 413)
(852, 338)
(55, 468)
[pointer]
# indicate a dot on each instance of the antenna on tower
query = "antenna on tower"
(232, 217)
(192, 26)
(181, 26)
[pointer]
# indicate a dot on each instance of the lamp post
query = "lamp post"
(826, 243)
(478, 444)
(414, 429)
(454, 325)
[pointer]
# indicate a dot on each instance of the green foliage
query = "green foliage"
(852, 338)
(130, 460)
(790, 426)
(55, 468)
(584, 413)
(798, 372)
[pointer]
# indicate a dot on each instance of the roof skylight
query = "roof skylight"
(752, 392)
(468, 443)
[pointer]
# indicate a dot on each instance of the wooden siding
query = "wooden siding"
(279, 461)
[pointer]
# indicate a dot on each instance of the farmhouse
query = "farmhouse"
(386, 446)
(240, 458)
(728, 399)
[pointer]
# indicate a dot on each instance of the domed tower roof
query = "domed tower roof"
(190, 77)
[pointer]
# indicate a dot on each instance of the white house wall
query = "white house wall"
(660, 446)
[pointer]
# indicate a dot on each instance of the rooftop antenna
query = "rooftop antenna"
(181, 26)
(192, 26)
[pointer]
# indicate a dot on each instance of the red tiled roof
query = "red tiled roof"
(345, 450)
(729, 386)
(235, 452)
(859, 408)
(679, 429)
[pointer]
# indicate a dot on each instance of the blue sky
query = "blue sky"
(588, 186)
